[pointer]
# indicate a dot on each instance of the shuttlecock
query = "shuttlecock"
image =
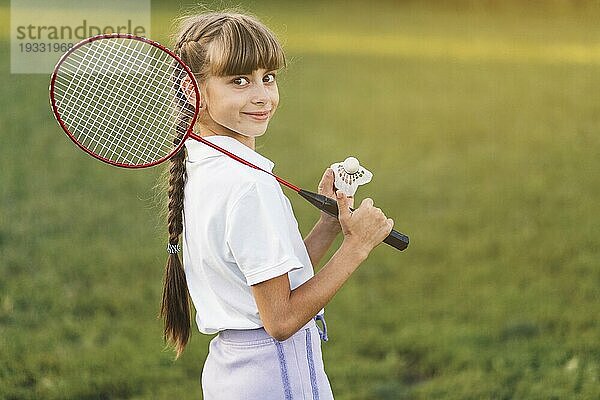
(349, 175)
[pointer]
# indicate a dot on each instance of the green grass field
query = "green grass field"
(481, 125)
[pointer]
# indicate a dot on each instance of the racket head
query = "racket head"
(119, 98)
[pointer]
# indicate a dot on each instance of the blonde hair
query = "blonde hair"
(210, 44)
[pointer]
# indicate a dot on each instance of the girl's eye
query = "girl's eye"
(269, 78)
(241, 81)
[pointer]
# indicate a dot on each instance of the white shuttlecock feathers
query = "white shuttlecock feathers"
(349, 175)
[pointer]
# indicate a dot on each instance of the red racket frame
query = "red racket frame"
(189, 133)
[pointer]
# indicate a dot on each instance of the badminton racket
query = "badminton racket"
(120, 98)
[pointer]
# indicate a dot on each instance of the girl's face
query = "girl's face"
(242, 103)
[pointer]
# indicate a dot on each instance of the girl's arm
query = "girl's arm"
(284, 311)
(323, 234)
(320, 238)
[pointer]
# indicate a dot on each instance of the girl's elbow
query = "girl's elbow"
(278, 331)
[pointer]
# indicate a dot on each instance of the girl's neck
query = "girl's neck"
(205, 131)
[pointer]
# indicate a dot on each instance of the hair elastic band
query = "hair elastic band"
(173, 248)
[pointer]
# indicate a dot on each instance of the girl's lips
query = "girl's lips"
(259, 116)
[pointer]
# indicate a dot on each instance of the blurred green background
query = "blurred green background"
(480, 121)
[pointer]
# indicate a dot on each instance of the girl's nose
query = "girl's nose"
(260, 95)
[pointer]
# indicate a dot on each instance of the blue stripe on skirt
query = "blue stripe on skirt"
(285, 380)
(250, 365)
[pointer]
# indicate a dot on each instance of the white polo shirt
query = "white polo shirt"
(239, 230)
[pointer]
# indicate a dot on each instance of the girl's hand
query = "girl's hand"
(365, 227)
(326, 188)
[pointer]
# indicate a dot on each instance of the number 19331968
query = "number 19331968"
(44, 47)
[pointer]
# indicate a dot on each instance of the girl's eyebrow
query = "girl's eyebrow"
(248, 74)
(234, 75)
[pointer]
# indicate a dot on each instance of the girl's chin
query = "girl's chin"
(252, 132)
(244, 128)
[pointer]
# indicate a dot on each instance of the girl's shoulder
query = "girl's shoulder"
(228, 181)
(224, 177)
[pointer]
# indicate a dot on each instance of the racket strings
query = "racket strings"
(122, 93)
(110, 129)
(120, 100)
(97, 97)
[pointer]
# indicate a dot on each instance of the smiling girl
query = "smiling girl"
(247, 269)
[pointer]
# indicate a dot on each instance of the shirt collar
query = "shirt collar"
(198, 151)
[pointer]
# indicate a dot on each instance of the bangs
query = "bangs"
(243, 47)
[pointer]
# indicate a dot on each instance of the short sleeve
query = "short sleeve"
(257, 233)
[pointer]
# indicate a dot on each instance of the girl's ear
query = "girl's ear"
(188, 89)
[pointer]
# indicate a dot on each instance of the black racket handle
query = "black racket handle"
(324, 203)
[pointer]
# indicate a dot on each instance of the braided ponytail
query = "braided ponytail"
(175, 306)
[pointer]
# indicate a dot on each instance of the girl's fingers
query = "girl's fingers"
(326, 184)
(343, 206)
(350, 201)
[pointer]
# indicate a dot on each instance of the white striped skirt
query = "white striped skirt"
(251, 365)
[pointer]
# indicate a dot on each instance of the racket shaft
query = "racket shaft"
(324, 203)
